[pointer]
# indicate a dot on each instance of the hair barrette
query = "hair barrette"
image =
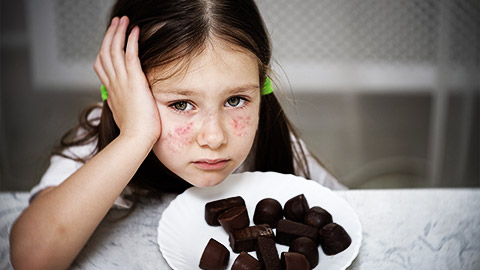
(103, 92)
(267, 87)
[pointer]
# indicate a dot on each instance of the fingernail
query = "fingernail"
(114, 20)
(123, 19)
(135, 29)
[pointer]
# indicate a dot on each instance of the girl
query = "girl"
(184, 107)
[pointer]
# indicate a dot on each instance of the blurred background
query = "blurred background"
(385, 93)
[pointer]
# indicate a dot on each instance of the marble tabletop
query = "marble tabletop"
(402, 229)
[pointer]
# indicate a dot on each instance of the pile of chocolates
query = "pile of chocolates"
(303, 229)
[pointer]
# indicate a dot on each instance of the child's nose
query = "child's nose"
(212, 132)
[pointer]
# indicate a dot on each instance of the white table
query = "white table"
(402, 229)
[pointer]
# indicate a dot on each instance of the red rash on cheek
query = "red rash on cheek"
(184, 130)
(178, 138)
(240, 125)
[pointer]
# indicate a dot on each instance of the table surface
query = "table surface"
(402, 229)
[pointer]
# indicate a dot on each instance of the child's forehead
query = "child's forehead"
(213, 50)
(213, 64)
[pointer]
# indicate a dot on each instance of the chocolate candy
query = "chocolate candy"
(245, 261)
(334, 239)
(214, 208)
(307, 247)
(215, 256)
(288, 230)
(317, 217)
(246, 239)
(267, 254)
(234, 218)
(294, 261)
(268, 211)
(296, 208)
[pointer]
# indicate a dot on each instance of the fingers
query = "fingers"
(118, 44)
(132, 62)
(98, 67)
(120, 70)
(119, 36)
(104, 55)
(110, 62)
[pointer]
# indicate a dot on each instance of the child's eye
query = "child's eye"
(235, 102)
(182, 106)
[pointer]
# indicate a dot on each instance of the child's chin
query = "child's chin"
(205, 183)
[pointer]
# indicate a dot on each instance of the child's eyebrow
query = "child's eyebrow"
(189, 92)
(242, 89)
(173, 91)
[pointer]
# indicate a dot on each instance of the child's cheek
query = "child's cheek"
(240, 125)
(177, 138)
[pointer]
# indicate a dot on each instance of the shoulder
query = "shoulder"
(62, 166)
(95, 114)
(70, 159)
(317, 171)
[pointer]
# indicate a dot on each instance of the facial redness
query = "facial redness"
(240, 125)
(178, 138)
(184, 130)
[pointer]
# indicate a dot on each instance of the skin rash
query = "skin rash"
(179, 137)
(240, 125)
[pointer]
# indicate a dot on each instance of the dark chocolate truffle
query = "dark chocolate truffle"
(317, 217)
(215, 256)
(214, 208)
(245, 261)
(307, 247)
(334, 239)
(268, 211)
(294, 261)
(296, 208)
(288, 230)
(234, 218)
(267, 254)
(246, 239)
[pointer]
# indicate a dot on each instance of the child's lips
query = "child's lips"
(211, 164)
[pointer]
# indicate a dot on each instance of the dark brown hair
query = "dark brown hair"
(171, 33)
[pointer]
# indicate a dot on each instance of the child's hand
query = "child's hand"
(129, 96)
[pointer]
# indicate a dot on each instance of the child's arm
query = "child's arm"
(53, 229)
(57, 224)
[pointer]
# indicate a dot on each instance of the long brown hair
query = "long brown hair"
(171, 33)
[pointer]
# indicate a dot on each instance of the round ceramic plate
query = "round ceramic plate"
(183, 232)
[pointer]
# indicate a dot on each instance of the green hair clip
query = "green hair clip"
(267, 87)
(104, 92)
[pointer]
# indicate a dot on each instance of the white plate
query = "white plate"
(183, 232)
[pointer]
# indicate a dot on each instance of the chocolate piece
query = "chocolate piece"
(214, 208)
(334, 239)
(246, 239)
(234, 218)
(307, 247)
(215, 256)
(245, 261)
(268, 211)
(288, 230)
(317, 217)
(267, 254)
(296, 208)
(294, 261)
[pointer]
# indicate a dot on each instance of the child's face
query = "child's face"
(209, 115)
